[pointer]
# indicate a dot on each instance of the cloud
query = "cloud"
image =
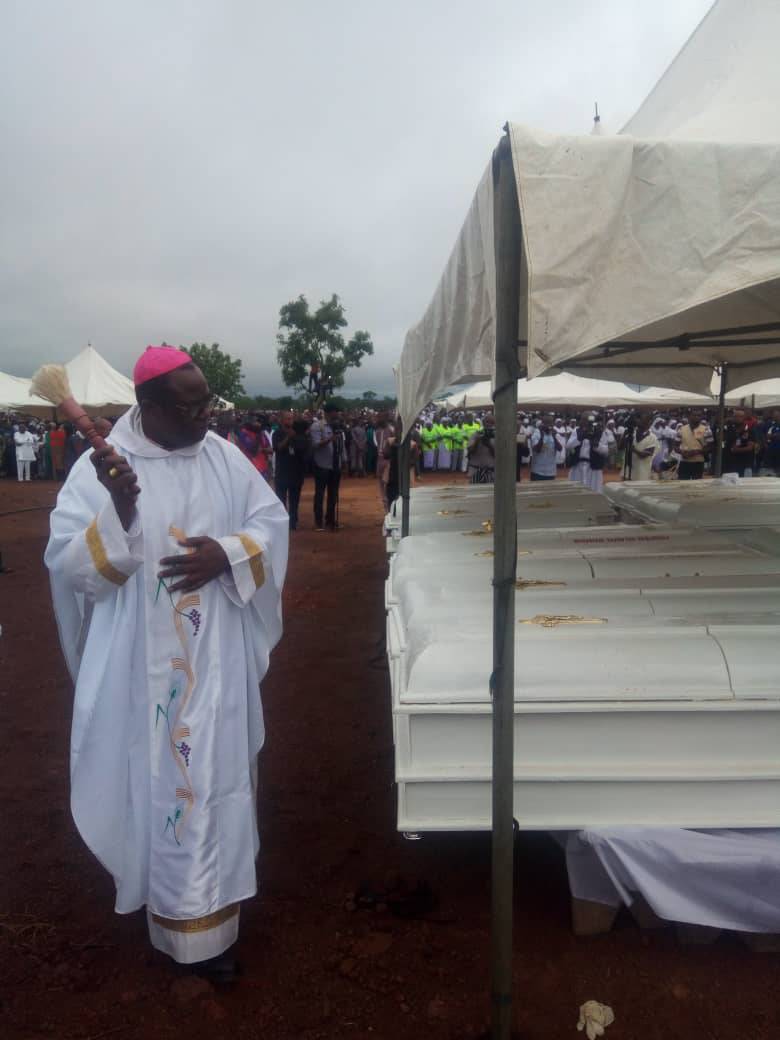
(178, 171)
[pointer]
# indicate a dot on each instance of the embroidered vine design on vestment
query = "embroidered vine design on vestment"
(180, 692)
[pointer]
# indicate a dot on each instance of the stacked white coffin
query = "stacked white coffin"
(647, 679)
(726, 503)
(467, 507)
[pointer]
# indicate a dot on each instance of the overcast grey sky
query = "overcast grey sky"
(178, 169)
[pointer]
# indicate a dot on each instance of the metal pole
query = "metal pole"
(403, 482)
(717, 469)
(506, 222)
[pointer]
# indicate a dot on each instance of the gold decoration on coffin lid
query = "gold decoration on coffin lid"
(452, 512)
(538, 583)
(547, 504)
(490, 552)
(487, 529)
(554, 620)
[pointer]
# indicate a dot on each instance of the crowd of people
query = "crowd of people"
(35, 450)
(325, 443)
(640, 445)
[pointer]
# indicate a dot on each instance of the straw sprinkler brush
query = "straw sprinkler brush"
(51, 383)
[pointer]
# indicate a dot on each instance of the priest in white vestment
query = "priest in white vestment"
(167, 556)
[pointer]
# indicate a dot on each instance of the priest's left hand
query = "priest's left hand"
(205, 561)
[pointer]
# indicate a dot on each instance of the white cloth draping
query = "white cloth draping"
(723, 878)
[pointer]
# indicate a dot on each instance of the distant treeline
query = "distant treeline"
(287, 402)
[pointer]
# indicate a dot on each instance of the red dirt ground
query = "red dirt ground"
(314, 968)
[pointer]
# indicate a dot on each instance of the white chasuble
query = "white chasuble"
(167, 717)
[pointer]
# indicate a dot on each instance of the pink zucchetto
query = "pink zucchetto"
(156, 361)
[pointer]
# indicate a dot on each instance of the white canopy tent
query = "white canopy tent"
(763, 394)
(722, 84)
(15, 397)
(97, 385)
(577, 392)
(643, 260)
(646, 260)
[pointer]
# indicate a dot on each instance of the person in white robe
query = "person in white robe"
(661, 432)
(586, 441)
(599, 455)
(24, 442)
(643, 452)
(578, 447)
(168, 605)
(560, 431)
(611, 435)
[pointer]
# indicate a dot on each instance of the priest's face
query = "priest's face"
(181, 417)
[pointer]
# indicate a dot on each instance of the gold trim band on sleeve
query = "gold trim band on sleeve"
(100, 557)
(255, 554)
(197, 924)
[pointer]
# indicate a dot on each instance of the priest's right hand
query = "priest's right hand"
(119, 480)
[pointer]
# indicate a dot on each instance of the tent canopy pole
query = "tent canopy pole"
(508, 247)
(717, 469)
(403, 482)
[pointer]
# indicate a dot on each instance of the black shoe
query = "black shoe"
(223, 969)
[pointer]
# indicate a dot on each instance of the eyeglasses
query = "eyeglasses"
(201, 408)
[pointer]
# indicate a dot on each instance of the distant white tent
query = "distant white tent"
(15, 397)
(763, 394)
(578, 391)
(97, 385)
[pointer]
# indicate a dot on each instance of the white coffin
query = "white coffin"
(477, 501)
(601, 745)
(659, 708)
(753, 502)
(565, 570)
(474, 518)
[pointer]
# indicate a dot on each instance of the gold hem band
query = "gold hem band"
(197, 924)
(100, 557)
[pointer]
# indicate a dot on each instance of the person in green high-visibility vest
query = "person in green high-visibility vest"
(430, 442)
(438, 429)
(458, 435)
(470, 427)
(445, 444)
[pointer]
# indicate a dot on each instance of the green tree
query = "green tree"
(222, 373)
(314, 337)
(369, 395)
